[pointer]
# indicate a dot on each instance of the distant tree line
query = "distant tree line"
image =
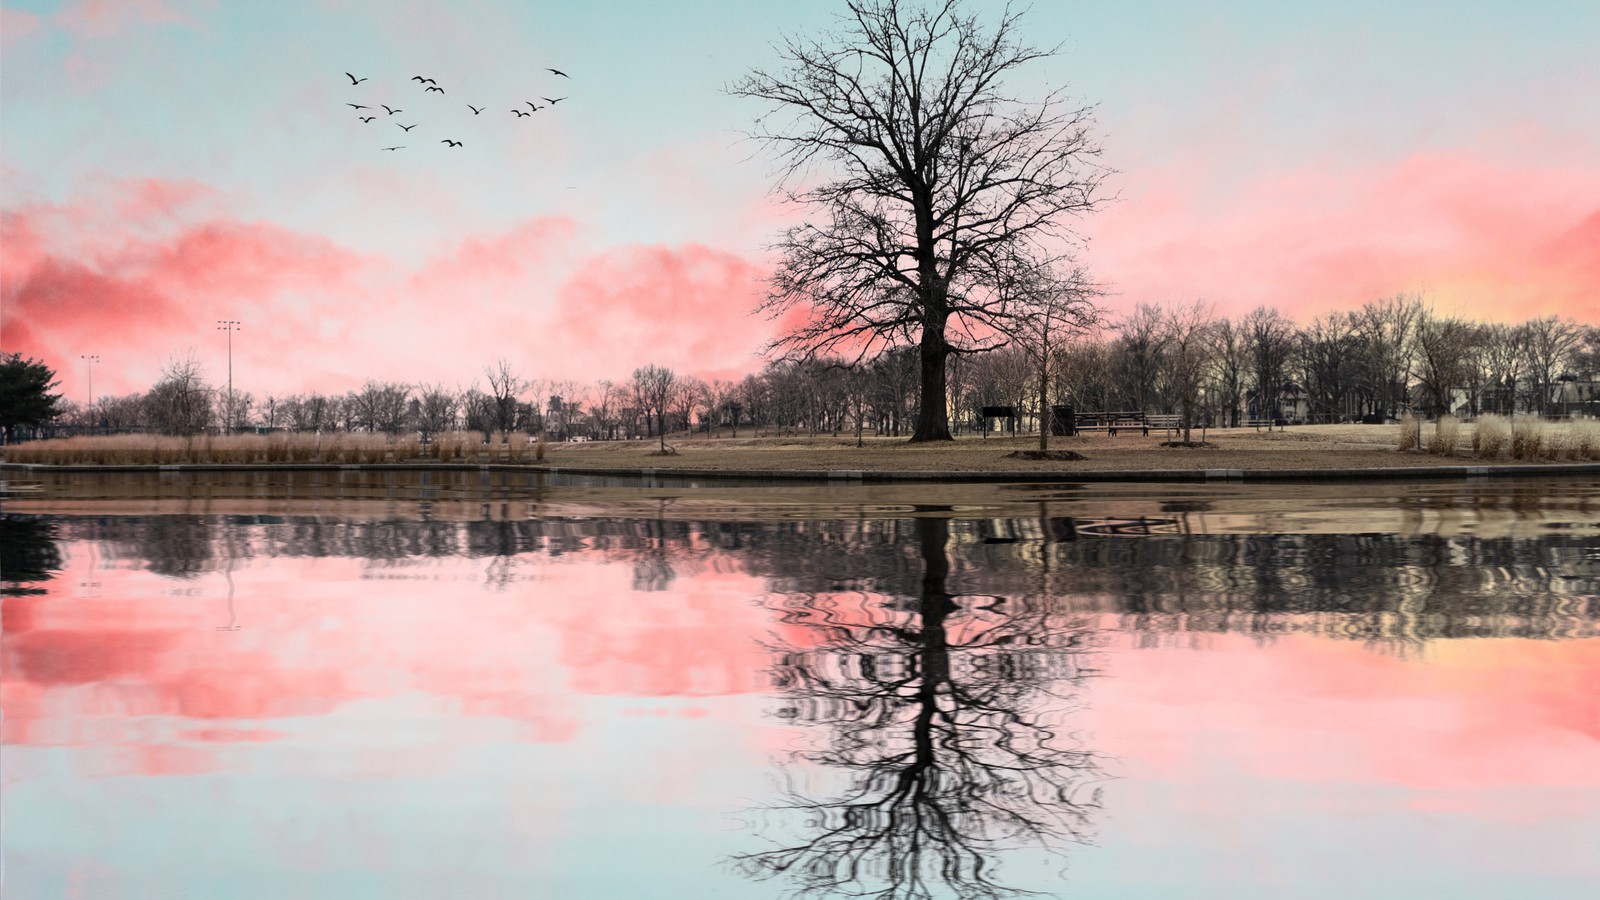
(1371, 364)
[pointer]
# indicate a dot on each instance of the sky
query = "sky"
(165, 164)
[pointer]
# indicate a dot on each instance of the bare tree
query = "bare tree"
(1388, 329)
(1270, 339)
(505, 389)
(180, 402)
(1187, 339)
(1051, 306)
(654, 388)
(436, 408)
(939, 175)
(1140, 347)
(1230, 364)
(1442, 344)
(1551, 343)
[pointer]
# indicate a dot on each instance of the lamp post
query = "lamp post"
(90, 359)
(230, 326)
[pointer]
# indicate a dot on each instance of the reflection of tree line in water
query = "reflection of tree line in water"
(1366, 586)
(936, 659)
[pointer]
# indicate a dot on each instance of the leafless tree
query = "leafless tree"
(1051, 306)
(1551, 343)
(436, 410)
(1388, 330)
(181, 401)
(1270, 339)
(937, 174)
(1188, 344)
(505, 389)
(1141, 344)
(1327, 358)
(1442, 344)
(654, 388)
(1230, 366)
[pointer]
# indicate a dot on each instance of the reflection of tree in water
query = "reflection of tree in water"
(943, 711)
(28, 553)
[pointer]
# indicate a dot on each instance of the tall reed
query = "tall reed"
(1410, 432)
(1446, 436)
(1490, 436)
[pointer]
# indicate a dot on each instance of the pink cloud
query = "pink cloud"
(102, 18)
(16, 24)
(1487, 239)
(689, 308)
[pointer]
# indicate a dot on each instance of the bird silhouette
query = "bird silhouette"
(358, 106)
(407, 127)
(476, 110)
(521, 113)
(419, 78)
(559, 72)
(552, 102)
(368, 118)
(401, 147)
(432, 88)
(450, 142)
(388, 110)
(354, 80)
(531, 107)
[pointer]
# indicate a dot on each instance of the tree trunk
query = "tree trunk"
(1045, 412)
(933, 416)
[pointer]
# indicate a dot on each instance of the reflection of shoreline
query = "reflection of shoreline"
(1519, 507)
(1369, 587)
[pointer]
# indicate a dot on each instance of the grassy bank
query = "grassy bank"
(1301, 448)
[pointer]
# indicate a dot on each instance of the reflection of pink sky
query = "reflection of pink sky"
(141, 673)
(1471, 715)
(143, 668)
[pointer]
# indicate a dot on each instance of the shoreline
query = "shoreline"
(872, 476)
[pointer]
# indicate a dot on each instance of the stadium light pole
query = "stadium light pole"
(90, 359)
(230, 326)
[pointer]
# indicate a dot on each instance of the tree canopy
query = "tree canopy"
(26, 398)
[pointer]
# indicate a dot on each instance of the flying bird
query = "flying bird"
(521, 113)
(407, 127)
(419, 78)
(354, 80)
(476, 110)
(388, 110)
(450, 142)
(401, 147)
(532, 107)
(358, 106)
(432, 88)
(559, 72)
(552, 102)
(368, 118)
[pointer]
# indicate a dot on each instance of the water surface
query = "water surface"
(491, 686)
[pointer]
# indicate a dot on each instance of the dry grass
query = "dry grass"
(1491, 436)
(1446, 436)
(1527, 438)
(1300, 447)
(1585, 442)
(1410, 433)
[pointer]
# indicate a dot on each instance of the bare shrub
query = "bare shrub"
(1446, 436)
(1585, 443)
(1410, 432)
(1491, 437)
(1527, 437)
(408, 447)
(539, 448)
(1556, 440)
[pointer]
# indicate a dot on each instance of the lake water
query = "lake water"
(484, 685)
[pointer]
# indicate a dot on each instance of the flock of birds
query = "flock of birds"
(430, 85)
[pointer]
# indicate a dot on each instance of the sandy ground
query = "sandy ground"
(1298, 447)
